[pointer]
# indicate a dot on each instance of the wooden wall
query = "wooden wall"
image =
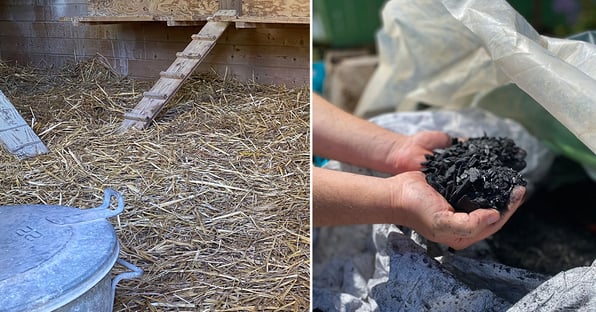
(31, 33)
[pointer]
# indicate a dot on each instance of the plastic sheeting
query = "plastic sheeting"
(378, 268)
(443, 53)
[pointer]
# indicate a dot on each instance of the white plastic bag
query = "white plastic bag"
(445, 52)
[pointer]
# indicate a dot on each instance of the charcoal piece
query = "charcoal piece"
(477, 173)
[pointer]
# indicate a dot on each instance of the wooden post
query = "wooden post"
(231, 5)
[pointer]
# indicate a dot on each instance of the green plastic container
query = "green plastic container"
(347, 24)
(539, 13)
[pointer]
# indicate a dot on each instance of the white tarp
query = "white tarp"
(443, 52)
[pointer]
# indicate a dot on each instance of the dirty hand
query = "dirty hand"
(429, 213)
(408, 153)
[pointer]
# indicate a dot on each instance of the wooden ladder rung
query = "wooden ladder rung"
(155, 95)
(190, 56)
(186, 62)
(172, 75)
(135, 116)
(200, 36)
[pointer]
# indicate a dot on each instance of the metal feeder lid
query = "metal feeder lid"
(50, 255)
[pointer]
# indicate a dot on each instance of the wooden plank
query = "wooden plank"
(171, 75)
(290, 37)
(155, 95)
(108, 19)
(256, 11)
(297, 77)
(261, 56)
(55, 10)
(271, 44)
(16, 136)
(265, 19)
(242, 21)
(172, 22)
(244, 72)
(171, 80)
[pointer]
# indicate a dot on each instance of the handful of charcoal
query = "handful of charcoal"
(477, 173)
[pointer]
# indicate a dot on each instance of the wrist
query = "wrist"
(407, 198)
(346, 198)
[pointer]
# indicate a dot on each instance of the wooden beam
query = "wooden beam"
(108, 19)
(268, 20)
(240, 20)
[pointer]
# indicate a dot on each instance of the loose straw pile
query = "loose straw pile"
(216, 190)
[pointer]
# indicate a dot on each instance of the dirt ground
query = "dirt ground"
(555, 229)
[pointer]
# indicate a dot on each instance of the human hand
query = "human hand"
(428, 213)
(408, 152)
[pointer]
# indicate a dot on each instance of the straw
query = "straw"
(216, 190)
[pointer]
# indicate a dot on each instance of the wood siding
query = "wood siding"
(31, 33)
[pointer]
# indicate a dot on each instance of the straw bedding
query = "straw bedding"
(216, 190)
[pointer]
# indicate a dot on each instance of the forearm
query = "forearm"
(341, 136)
(341, 198)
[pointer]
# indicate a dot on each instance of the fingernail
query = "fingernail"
(516, 195)
(493, 219)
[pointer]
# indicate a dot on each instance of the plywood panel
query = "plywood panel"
(271, 8)
(196, 10)
(184, 10)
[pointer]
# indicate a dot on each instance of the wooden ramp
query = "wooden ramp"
(18, 138)
(171, 80)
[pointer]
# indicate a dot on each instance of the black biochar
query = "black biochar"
(476, 173)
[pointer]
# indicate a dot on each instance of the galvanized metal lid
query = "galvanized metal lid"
(50, 255)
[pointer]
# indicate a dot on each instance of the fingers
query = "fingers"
(433, 139)
(459, 229)
(463, 224)
(517, 197)
(515, 200)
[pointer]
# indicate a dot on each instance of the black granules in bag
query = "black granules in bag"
(477, 173)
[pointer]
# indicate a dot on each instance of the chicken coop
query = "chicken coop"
(267, 41)
(196, 112)
(262, 41)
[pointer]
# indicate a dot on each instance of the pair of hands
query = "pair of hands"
(405, 198)
(425, 210)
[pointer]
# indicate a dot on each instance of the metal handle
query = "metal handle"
(101, 212)
(133, 273)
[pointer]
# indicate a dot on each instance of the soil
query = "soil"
(555, 229)
(476, 173)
